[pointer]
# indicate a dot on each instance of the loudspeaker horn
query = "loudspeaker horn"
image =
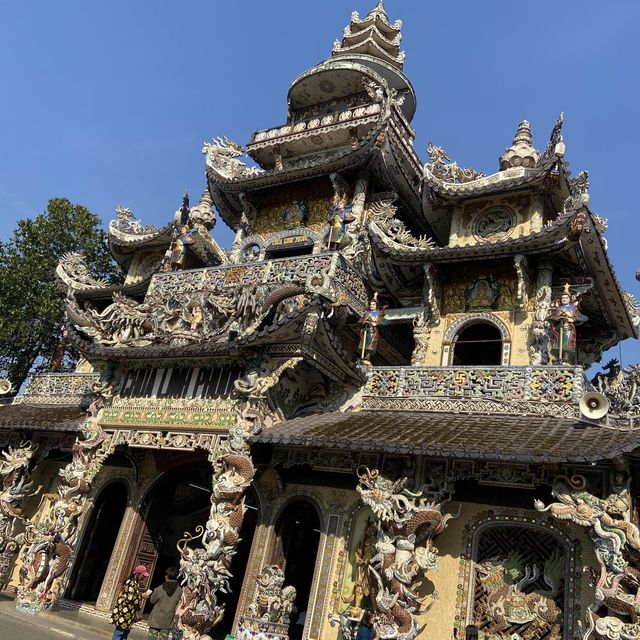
(5, 386)
(594, 405)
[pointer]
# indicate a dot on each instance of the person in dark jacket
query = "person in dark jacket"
(164, 599)
(366, 630)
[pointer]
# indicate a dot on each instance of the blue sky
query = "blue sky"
(108, 103)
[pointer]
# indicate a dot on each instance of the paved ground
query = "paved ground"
(63, 625)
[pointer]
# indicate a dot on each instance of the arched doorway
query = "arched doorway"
(296, 548)
(478, 344)
(97, 546)
(180, 501)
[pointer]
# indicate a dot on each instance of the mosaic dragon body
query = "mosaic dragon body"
(206, 569)
(617, 544)
(407, 525)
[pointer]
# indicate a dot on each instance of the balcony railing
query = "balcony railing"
(511, 390)
(60, 388)
(319, 122)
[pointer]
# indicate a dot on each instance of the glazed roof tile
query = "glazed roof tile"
(475, 436)
(41, 417)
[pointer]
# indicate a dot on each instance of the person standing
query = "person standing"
(164, 599)
(128, 605)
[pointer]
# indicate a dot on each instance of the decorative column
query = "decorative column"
(539, 335)
(430, 317)
(407, 526)
(247, 219)
(49, 544)
(121, 557)
(321, 586)
(205, 569)
(16, 488)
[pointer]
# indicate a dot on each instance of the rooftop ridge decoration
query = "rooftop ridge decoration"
(555, 147)
(521, 153)
(126, 222)
(372, 35)
(222, 159)
(441, 167)
(383, 221)
(73, 271)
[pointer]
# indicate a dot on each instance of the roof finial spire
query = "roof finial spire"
(521, 153)
(373, 35)
(523, 134)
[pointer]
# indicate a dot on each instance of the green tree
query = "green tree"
(31, 303)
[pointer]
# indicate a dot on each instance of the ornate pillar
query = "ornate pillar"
(407, 525)
(16, 488)
(260, 547)
(270, 612)
(48, 546)
(359, 197)
(205, 569)
(538, 349)
(321, 585)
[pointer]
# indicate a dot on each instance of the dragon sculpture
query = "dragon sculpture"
(205, 570)
(185, 317)
(16, 488)
(127, 223)
(445, 170)
(504, 580)
(407, 526)
(222, 159)
(48, 544)
(621, 386)
(273, 601)
(75, 273)
(617, 545)
(383, 223)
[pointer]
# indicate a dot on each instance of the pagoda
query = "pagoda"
(374, 400)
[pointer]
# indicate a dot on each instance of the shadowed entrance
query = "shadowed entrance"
(96, 549)
(296, 548)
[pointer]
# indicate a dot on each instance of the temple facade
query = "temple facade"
(376, 399)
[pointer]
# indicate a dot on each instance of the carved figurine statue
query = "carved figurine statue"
(57, 359)
(564, 316)
(183, 239)
(341, 216)
(196, 317)
(369, 332)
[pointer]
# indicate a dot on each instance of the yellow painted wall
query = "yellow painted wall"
(438, 623)
(526, 207)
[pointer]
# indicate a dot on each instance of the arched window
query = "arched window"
(478, 344)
